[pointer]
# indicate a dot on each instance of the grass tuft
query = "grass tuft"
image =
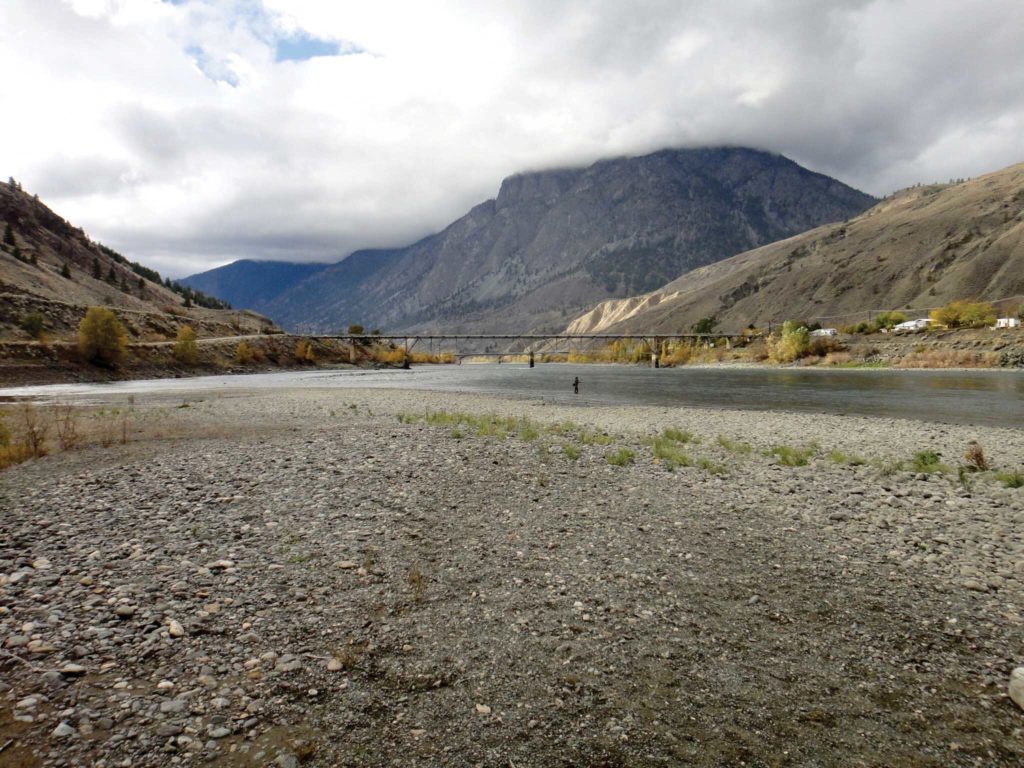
(1011, 479)
(790, 456)
(621, 457)
(734, 446)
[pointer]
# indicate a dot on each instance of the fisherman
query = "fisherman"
(576, 385)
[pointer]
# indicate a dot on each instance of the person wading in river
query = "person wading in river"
(576, 385)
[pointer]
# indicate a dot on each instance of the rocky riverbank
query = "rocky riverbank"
(337, 578)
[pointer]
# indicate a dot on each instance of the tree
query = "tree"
(705, 325)
(355, 330)
(97, 271)
(112, 275)
(9, 235)
(964, 314)
(186, 350)
(101, 338)
(65, 271)
(188, 301)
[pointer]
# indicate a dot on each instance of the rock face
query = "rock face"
(555, 242)
(921, 248)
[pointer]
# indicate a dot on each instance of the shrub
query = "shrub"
(186, 350)
(821, 346)
(621, 457)
(927, 462)
(101, 338)
(32, 324)
(888, 320)
(304, 351)
(244, 354)
(571, 451)
(964, 314)
(791, 345)
(975, 457)
(705, 325)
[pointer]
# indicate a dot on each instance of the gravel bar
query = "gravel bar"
(329, 578)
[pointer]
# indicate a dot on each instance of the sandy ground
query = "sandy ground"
(302, 577)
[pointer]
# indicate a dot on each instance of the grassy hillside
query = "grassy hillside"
(51, 269)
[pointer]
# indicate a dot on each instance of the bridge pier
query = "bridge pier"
(531, 358)
(655, 360)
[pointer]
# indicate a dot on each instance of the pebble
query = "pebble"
(63, 731)
(174, 628)
(1017, 686)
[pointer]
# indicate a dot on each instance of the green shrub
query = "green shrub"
(927, 461)
(888, 320)
(709, 466)
(186, 350)
(571, 451)
(101, 338)
(621, 457)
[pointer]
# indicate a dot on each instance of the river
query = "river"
(994, 398)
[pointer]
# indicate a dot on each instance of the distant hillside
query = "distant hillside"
(50, 267)
(554, 243)
(251, 284)
(921, 248)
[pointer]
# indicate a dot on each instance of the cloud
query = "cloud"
(194, 132)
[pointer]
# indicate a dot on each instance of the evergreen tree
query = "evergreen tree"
(97, 272)
(188, 302)
(33, 260)
(112, 275)
(65, 271)
(8, 235)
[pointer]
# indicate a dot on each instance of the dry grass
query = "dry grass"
(948, 358)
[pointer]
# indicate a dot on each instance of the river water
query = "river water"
(994, 398)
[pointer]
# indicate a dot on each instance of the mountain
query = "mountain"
(251, 284)
(554, 243)
(920, 248)
(51, 268)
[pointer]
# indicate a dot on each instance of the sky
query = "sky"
(190, 133)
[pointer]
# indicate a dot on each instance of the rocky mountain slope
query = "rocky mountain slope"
(920, 248)
(51, 268)
(556, 242)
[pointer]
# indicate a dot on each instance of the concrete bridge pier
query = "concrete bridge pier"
(531, 358)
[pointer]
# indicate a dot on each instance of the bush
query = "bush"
(927, 462)
(964, 314)
(789, 456)
(186, 350)
(101, 338)
(792, 345)
(975, 457)
(705, 325)
(32, 324)
(888, 320)
(244, 354)
(304, 351)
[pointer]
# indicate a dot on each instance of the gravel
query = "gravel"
(297, 578)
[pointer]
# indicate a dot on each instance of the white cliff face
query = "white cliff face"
(609, 313)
